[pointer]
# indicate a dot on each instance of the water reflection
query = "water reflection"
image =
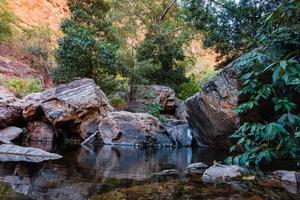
(83, 171)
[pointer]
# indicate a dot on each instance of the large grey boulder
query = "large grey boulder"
(125, 128)
(68, 106)
(210, 112)
(10, 133)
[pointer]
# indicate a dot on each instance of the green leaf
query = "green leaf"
(297, 134)
(276, 74)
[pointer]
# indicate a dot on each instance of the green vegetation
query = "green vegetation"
(88, 48)
(229, 27)
(155, 110)
(38, 44)
(6, 21)
(22, 86)
(188, 89)
(269, 40)
(118, 102)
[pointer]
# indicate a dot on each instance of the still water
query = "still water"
(116, 172)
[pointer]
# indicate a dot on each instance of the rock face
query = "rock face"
(35, 12)
(69, 106)
(222, 173)
(9, 133)
(210, 112)
(10, 115)
(124, 128)
(39, 131)
(143, 96)
(180, 132)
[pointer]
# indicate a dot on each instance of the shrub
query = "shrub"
(118, 102)
(6, 20)
(188, 89)
(155, 109)
(271, 87)
(22, 87)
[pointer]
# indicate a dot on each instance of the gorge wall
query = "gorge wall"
(46, 12)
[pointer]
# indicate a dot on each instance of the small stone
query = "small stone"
(199, 165)
(222, 173)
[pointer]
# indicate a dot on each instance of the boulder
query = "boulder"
(10, 115)
(14, 153)
(222, 173)
(40, 131)
(180, 132)
(145, 95)
(32, 107)
(180, 110)
(198, 168)
(9, 134)
(68, 106)
(210, 112)
(287, 176)
(125, 128)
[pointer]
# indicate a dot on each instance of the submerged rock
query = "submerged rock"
(9, 152)
(9, 134)
(40, 131)
(125, 128)
(210, 112)
(222, 173)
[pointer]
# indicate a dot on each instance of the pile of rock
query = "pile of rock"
(80, 109)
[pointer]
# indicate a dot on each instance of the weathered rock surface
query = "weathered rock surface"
(9, 133)
(9, 152)
(180, 110)
(179, 132)
(288, 176)
(210, 112)
(40, 131)
(198, 168)
(222, 173)
(69, 106)
(145, 95)
(10, 115)
(124, 128)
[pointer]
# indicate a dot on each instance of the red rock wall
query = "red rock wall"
(46, 12)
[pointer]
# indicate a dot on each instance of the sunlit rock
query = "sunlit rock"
(9, 133)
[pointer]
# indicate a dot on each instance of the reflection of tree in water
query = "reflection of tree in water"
(84, 171)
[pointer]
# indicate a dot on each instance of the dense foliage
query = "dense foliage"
(229, 26)
(6, 20)
(271, 87)
(88, 48)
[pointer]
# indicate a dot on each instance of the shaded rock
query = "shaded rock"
(180, 132)
(9, 152)
(180, 110)
(149, 94)
(32, 107)
(89, 126)
(124, 128)
(210, 112)
(9, 134)
(68, 106)
(168, 172)
(39, 131)
(222, 173)
(10, 115)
